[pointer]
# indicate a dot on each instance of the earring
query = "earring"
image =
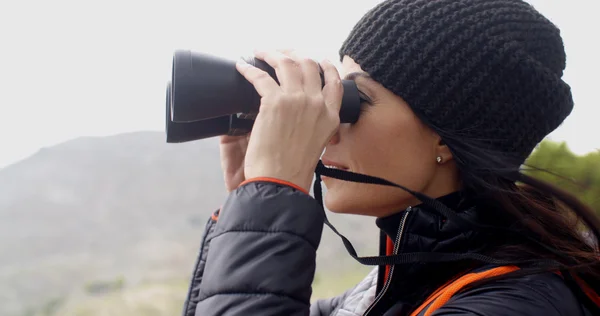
(439, 159)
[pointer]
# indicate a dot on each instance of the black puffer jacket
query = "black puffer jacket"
(261, 261)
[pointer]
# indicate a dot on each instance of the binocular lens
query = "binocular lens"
(184, 132)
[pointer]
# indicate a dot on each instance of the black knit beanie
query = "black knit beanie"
(484, 70)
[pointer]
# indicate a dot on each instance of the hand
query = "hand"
(233, 150)
(296, 119)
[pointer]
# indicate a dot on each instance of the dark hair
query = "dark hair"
(566, 230)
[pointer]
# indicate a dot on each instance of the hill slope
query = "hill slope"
(80, 217)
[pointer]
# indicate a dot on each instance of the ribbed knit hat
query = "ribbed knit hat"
(486, 70)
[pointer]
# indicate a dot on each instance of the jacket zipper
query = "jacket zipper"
(396, 248)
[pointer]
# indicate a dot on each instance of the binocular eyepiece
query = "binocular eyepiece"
(208, 97)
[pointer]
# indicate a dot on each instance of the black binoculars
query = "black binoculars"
(208, 97)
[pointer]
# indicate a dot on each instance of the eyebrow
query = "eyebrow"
(354, 75)
(370, 94)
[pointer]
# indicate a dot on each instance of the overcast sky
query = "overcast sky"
(92, 68)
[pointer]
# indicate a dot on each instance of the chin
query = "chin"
(352, 198)
(340, 207)
(334, 205)
(344, 198)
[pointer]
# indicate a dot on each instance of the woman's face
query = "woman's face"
(388, 142)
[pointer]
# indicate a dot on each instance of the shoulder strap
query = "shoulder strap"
(443, 294)
(587, 294)
(588, 290)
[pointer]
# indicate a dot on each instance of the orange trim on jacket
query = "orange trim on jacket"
(274, 180)
(389, 250)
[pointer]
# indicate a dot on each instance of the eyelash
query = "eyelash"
(364, 99)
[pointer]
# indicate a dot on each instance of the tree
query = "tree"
(558, 165)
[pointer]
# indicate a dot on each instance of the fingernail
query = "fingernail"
(242, 63)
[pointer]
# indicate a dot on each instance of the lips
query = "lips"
(333, 165)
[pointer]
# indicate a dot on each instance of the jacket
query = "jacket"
(258, 258)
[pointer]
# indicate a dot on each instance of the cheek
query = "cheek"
(397, 149)
(393, 148)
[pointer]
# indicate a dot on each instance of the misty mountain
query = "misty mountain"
(128, 206)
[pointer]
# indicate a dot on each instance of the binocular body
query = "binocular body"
(208, 97)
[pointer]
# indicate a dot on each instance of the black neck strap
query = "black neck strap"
(421, 257)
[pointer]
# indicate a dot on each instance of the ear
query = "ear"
(442, 150)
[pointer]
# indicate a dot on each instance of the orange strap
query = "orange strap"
(445, 293)
(594, 297)
(588, 290)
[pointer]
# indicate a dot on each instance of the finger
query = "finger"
(311, 72)
(287, 69)
(228, 139)
(333, 90)
(262, 82)
(287, 51)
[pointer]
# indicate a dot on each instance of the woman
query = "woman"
(457, 95)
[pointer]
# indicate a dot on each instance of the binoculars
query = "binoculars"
(208, 97)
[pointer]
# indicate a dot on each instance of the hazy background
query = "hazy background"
(74, 68)
(98, 215)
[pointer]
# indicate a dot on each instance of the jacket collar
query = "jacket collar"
(389, 224)
(425, 230)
